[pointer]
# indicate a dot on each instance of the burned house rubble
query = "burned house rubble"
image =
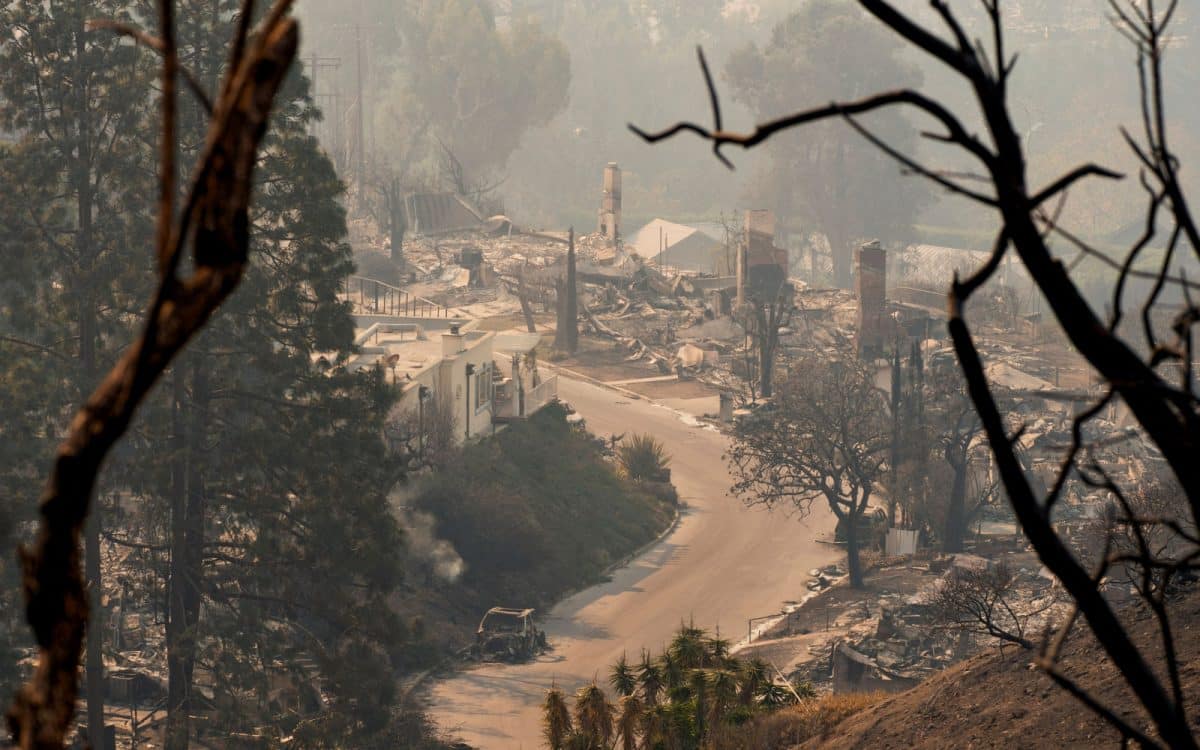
(897, 632)
(671, 304)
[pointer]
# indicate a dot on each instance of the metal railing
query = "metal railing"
(371, 296)
(542, 394)
(515, 405)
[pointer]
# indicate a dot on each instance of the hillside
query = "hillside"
(535, 512)
(997, 700)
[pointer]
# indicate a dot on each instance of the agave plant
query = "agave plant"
(643, 458)
(774, 695)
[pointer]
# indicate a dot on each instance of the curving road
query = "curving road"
(722, 565)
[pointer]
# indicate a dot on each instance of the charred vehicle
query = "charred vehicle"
(508, 635)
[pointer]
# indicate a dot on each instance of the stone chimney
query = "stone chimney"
(453, 342)
(870, 286)
(757, 257)
(610, 203)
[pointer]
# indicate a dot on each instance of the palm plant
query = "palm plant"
(698, 683)
(723, 689)
(556, 720)
(718, 649)
(754, 674)
(622, 678)
(675, 701)
(631, 720)
(688, 647)
(594, 716)
(650, 679)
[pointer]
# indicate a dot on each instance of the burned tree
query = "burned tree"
(213, 219)
(762, 320)
(765, 299)
(825, 436)
(958, 434)
(985, 601)
(1164, 406)
(566, 334)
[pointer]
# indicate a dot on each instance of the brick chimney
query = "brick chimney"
(870, 286)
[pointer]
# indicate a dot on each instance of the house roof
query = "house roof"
(691, 248)
(926, 265)
(434, 213)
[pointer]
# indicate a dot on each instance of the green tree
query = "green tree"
(76, 217)
(263, 469)
(823, 177)
(476, 87)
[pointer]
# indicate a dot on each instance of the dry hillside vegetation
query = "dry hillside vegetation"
(998, 700)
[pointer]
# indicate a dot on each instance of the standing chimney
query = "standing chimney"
(452, 343)
(610, 203)
(870, 286)
(757, 262)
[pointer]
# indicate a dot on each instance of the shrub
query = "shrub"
(793, 725)
(644, 458)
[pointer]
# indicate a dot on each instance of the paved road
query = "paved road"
(722, 565)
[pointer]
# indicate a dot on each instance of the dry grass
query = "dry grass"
(789, 727)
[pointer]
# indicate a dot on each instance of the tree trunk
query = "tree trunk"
(572, 306)
(853, 563)
(188, 424)
(560, 314)
(396, 222)
(92, 527)
(87, 360)
(566, 334)
(526, 308)
(952, 540)
(176, 737)
(894, 463)
(838, 244)
(766, 360)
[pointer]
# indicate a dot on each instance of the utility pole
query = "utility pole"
(359, 153)
(572, 296)
(315, 64)
(358, 85)
(467, 414)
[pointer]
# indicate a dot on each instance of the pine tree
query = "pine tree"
(74, 100)
(271, 497)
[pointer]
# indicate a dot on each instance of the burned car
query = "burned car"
(508, 635)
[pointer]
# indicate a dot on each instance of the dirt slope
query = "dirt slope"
(997, 700)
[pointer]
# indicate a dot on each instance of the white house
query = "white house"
(449, 363)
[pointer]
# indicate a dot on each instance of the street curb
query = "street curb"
(449, 661)
(575, 374)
